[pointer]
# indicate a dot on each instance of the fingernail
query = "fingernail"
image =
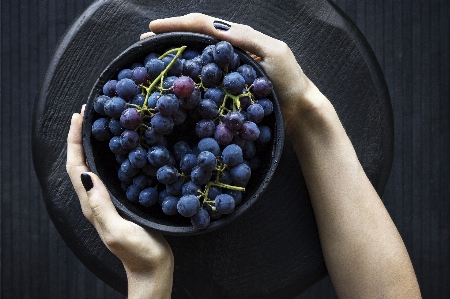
(86, 181)
(219, 25)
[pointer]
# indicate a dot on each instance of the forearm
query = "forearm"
(363, 250)
(155, 285)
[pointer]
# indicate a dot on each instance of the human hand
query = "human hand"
(294, 90)
(146, 256)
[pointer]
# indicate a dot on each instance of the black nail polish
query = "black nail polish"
(219, 25)
(86, 181)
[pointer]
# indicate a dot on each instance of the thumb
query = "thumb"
(97, 205)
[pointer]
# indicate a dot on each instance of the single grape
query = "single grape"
(190, 188)
(138, 157)
(125, 73)
(169, 205)
(225, 177)
(129, 139)
(248, 72)
(150, 57)
(210, 145)
(142, 181)
(99, 104)
(223, 134)
(188, 162)
(248, 149)
(215, 94)
(234, 63)
(154, 67)
(128, 169)
(162, 124)
(179, 116)
(206, 161)
(174, 188)
(205, 128)
(255, 113)
(201, 219)
(208, 109)
(130, 118)
(211, 75)
(177, 67)
(240, 173)
(249, 131)
(109, 89)
(207, 54)
(158, 155)
(180, 149)
(237, 195)
(183, 86)
(254, 163)
(232, 155)
(126, 89)
(188, 205)
(234, 120)
(265, 135)
(190, 53)
(192, 100)
(116, 146)
(152, 137)
(124, 177)
(167, 104)
(100, 129)
(192, 68)
(138, 100)
(267, 106)
(132, 193)
(167, 174)
(214, 191)
(153, 99)
(224, 203)
(262, 87)
(233, 83)
(115, 106)
(223, 53)
(200, 176)
(139, 75)
(148, 197)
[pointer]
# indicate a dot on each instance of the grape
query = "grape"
(200, 176)
(265, 135)
(248, 73)
(138, 100)
(208, 109)
(100, 129)
(223, 134)
(190, 188)
(188, 162)
(192, 100)
(254, 163)
(129, 139)
(124, 177)
(177, 67)
(183, 86)
(180, 149)
(240, 173)
(205, 128)
(158, 155)
(152, 137)
(237, 196)
(142, 181)
(167, 174)
(179, 116)
(233, 83)
(162, 124)
(169, 205)
(139, 75)
(138, 157)
(128, 169)
(148, 197)
(126, 89)
(249, 131)
(188, 205)
(224, 203)
(248, 149)
(168, 83)
(255, 113)
(150, 57)
(190, 54)
(174, 188)
(120, 158)
(116, 146)
(130, 118)
(154, 67)
(167, 104)
(109, 89)
(214, 191)
(211, 75)
(223, 53)
(99, 104)
(215, 94)
(201, 219)
(207, 54)
(267, 106)
(133, 192)
(192, 68)
(162, 195)
(206, 161)
(234, 120)
(226, 177)
(153, 99)
(232, 155)
(125, 73)
(115, 106)
(262, 87)
(234, 63)
(210, 145)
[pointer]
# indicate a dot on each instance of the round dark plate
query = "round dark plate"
(102, 161)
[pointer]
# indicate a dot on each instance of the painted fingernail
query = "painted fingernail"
(86, 181)
(219, 25)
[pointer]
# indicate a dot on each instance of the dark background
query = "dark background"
(410, 40)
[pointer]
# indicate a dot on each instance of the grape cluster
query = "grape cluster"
(184, 128)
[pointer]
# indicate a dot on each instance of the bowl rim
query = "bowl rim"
(114, 66)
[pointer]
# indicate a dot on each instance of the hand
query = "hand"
(276, 58)
(146, 256)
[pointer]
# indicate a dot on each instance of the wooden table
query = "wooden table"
(272, 251)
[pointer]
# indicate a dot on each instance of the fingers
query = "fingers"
(241, 36)
(146, 34)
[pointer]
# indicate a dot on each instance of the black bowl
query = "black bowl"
(102, 161)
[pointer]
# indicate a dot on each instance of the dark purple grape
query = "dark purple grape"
(168, 83)
(188, 162)
(267, 106)
(255, 113)
(100, 129)
(129, 139)
(265, 135)
(148, 197)
(191, 101)
(154, 67)
(208, 109)
(125, 73)
(223, 134)
(138, 157)
(224, 203)
(150, 57)
(128, 169)
(262, 87)
(237, 195)
(132, 193)
(153, 99)
(190, 54)
(190, 188)
(175, 188)
(179, 116)
(206, 161)
(192, 68)
(116, 146)
(201, 220)
(115, 106)
(234, 120)
(183, 86)
(188, 205)
(234, 63)
(138, 100)
(205, 128)
(167, 104)
(162, 195)
(126, 89)
(162, 124)
(234, 83)
(169, 205)
(109, 89)
(240, 173)
(167, 174)
(215, 94)
(248, 72)
(139, 75)
(99, 104)
(249, 131)
(200, 176)
(158, 155)
(223, 53)
(211, 75)
(177, 67)
(207, 54)
(180, 149)
(130, 118)
(142, 181)
(232, 155)
(210, 145)
(214, 191)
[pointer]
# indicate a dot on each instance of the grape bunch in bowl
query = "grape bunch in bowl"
(185, 131)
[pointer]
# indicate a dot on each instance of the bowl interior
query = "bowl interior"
(102, 161)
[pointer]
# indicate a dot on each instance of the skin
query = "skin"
(363, 251)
